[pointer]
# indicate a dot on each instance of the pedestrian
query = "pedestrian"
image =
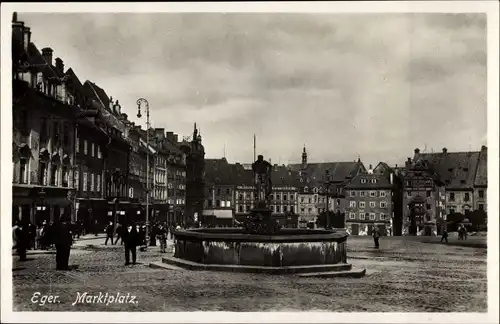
(95, 227)
(63, 241)
(22, 236)
(464, 233)
(131, 240)
(161, 235)
(376, 237)
(118, 231)
(152, 236)
(444, 237)
(109, 233)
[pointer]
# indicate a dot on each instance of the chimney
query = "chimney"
(47, 54)
(408, 163)
(59, 65)
(417, 151)
(176, 138)
(111, 106)
(483, 148)
(160, 133)
(124, 116)
(18, 30)
(170, 136)
(445, 150)
(391, 178)
(26, 37)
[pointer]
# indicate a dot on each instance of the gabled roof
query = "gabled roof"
(338, 171)
(73, 78)
(481, 178)
(455, 169)
(382, 181)
(219, 171)
(101, 102)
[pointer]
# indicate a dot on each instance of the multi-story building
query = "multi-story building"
(369, 202)
(481, 181)
(195, 166)
(90, 145)
(43, 132)
(322, 182)
(117, 152)
(439, 184)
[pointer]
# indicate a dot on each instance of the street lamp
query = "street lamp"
(139, 102)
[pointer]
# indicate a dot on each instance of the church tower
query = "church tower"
(304, 158)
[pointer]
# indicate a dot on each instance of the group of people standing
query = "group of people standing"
(60, 235)
(134, 235)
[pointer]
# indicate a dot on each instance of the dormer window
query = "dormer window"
(315, 190)
(306, 189)
(374, 180)
(363, 180)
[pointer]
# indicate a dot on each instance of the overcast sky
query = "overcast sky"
(368, 85)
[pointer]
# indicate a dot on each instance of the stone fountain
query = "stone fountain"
(260, 245)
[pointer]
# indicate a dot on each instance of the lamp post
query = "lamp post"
(139, 102)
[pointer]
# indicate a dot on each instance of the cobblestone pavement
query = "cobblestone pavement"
(404, 275)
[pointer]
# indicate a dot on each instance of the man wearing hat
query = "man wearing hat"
(63, 242)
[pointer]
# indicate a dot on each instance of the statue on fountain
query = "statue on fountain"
(260, 221)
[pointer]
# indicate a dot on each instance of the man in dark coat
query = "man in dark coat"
(376, 237)
(110, 230)
(130, 237)
(22, 240)
(63, 239)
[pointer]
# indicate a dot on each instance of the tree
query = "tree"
(453, 219)
(478, 218)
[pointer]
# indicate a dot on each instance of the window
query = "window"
(383, 204)
(362, 216)
(217, 203)
(92, 182)
(467, 196)
(452, 196)
(228, 191)
(278, 209)
(372, 204)
(240, 208)
(218, 193)
(302, 199)
(305, 189)
(53, 175)
(98, 183)
(284, 197)
(383, 194)
(23, 175)
(85, 148)
(373, 194)
(353, 193)
(309, 200)
(248, 208)
(372, 216)
(352, 204)
(278, 196)
(85, 181)
(302, 210)
(92, 149)
(481, 193)
(428, 193)
(240, 196)
(362, 193)
(428, 206)
(223, 203)
(77, 180)
(65, 176)
(374, 180)
(481, 207)
(363, 180)
(209, 203)
(352, 215)
(361, 204)
(310, 210)
(382, 216)
(408, 193)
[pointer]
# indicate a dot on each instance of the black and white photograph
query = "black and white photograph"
(242, 158)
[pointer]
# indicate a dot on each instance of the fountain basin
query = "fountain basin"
(287, 248)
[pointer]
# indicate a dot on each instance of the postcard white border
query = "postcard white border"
(489, 7)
